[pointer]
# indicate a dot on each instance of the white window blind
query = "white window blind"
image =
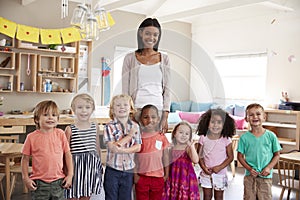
(243, 76)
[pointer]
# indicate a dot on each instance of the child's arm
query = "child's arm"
(227, 161)
(201, 161)
(192, 152)
(30, 184)
(128, 137)
(68, 132)
(98, 140)
(166, 163)
(274, 161)
(243, 162)
(67, 182)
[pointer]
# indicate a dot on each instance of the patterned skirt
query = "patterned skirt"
(87, 179)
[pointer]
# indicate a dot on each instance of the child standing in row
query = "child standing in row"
(48, 147)
(83, 137)
(182, 183)
(215, 128)
(258, 152)
(122, 137)
(152, 161)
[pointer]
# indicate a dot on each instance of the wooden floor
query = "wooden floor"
(233, 192)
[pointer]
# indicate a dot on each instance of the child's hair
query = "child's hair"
(228, 123)
(182, 123)
(149, 106)
(42, 108)
(85, 97)
(120, 96)
(253, 105)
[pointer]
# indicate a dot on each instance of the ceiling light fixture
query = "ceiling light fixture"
(90, 22)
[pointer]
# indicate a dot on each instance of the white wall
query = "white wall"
(246, 33)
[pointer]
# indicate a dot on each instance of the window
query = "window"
(243, 76)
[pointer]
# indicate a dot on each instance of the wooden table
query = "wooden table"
(291, 156)
(9, 151)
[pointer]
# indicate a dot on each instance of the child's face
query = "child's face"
(182, 134)
(83, 109)
(255, 116)
(121, 108)
(150, 119)
(215, 124)
(48, 120)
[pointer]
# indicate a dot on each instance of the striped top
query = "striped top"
(83, 140)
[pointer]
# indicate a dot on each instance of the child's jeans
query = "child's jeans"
(118, 184)
(51, 190)
(257, 188)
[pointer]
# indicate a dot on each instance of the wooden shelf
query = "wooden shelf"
(26, 72)
(7, 55)
(5, 81)
(286, 125)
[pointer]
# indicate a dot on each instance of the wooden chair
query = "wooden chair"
(287, 177)
(15, 168)
(2, 175)
(235, 140)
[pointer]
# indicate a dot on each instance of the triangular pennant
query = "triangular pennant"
(8, 27)
(50, 36)
(110, 20)
(70, 35)
(28, 33)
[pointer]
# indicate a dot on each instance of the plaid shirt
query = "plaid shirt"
(114, 131)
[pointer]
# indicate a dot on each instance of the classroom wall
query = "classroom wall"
(237, 32)
(46, 14)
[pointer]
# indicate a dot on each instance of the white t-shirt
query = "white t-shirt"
(149, 86)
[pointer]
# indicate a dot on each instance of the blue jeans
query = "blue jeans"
(118, 184)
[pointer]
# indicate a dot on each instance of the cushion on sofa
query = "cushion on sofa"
(239, 110)
(199, 107)
(173, 118)
(240, 122)
(181, 106)
(191, 117)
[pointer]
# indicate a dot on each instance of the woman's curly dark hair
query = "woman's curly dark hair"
(228, 123)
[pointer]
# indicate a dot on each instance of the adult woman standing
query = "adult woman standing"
(146, 72)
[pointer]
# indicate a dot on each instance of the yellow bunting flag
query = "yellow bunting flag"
(110, 20)
(50, 36)
(8, 27)
(70, 35)
(28, 33)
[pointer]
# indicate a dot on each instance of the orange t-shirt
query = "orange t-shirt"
(150, 158)
(47, 151)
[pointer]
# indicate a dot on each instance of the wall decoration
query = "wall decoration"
(105, 81)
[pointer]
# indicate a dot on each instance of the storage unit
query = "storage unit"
(286, 125)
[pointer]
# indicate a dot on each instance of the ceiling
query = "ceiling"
(191, 10)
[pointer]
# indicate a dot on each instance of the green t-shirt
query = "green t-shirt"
(258, 151)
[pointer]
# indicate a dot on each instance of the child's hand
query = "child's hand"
(136, 178)
(254, 173)
(265, 171)
(67, 182)
(115, 148)
(207, 171)
(30, 184)
(216, 169)
(132, 131)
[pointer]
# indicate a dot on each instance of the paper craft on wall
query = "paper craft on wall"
(105, 81)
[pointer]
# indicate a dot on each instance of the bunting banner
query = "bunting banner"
(70, 35)
(110, 20)
(50, 36)
(8, 27)
(28, 33)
